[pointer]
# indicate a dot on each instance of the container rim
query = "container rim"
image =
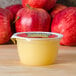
(59, 36)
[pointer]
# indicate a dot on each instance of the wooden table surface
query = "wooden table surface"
(64, 66)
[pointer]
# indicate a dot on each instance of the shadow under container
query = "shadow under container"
(37, 48)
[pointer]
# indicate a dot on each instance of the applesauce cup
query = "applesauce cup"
(37, 48)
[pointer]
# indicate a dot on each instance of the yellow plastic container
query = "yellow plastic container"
(37, 48)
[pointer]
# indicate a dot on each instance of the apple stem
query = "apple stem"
(16, 19)
(29, 6)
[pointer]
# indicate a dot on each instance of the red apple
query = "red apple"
(65, 23)
(9, 14)
(5, 28)
(49, 4)
(32, 19)
(56, 9)
(46, 4)
(14, 9)
(10, 17)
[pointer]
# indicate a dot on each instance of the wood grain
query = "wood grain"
(10, 65)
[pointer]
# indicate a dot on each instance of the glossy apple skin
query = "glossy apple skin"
(49, 4)
(14, 9)
(9, 14)
(46, 4)
(5, 27)
(32, 19)
(56, 9)
(65, 23)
